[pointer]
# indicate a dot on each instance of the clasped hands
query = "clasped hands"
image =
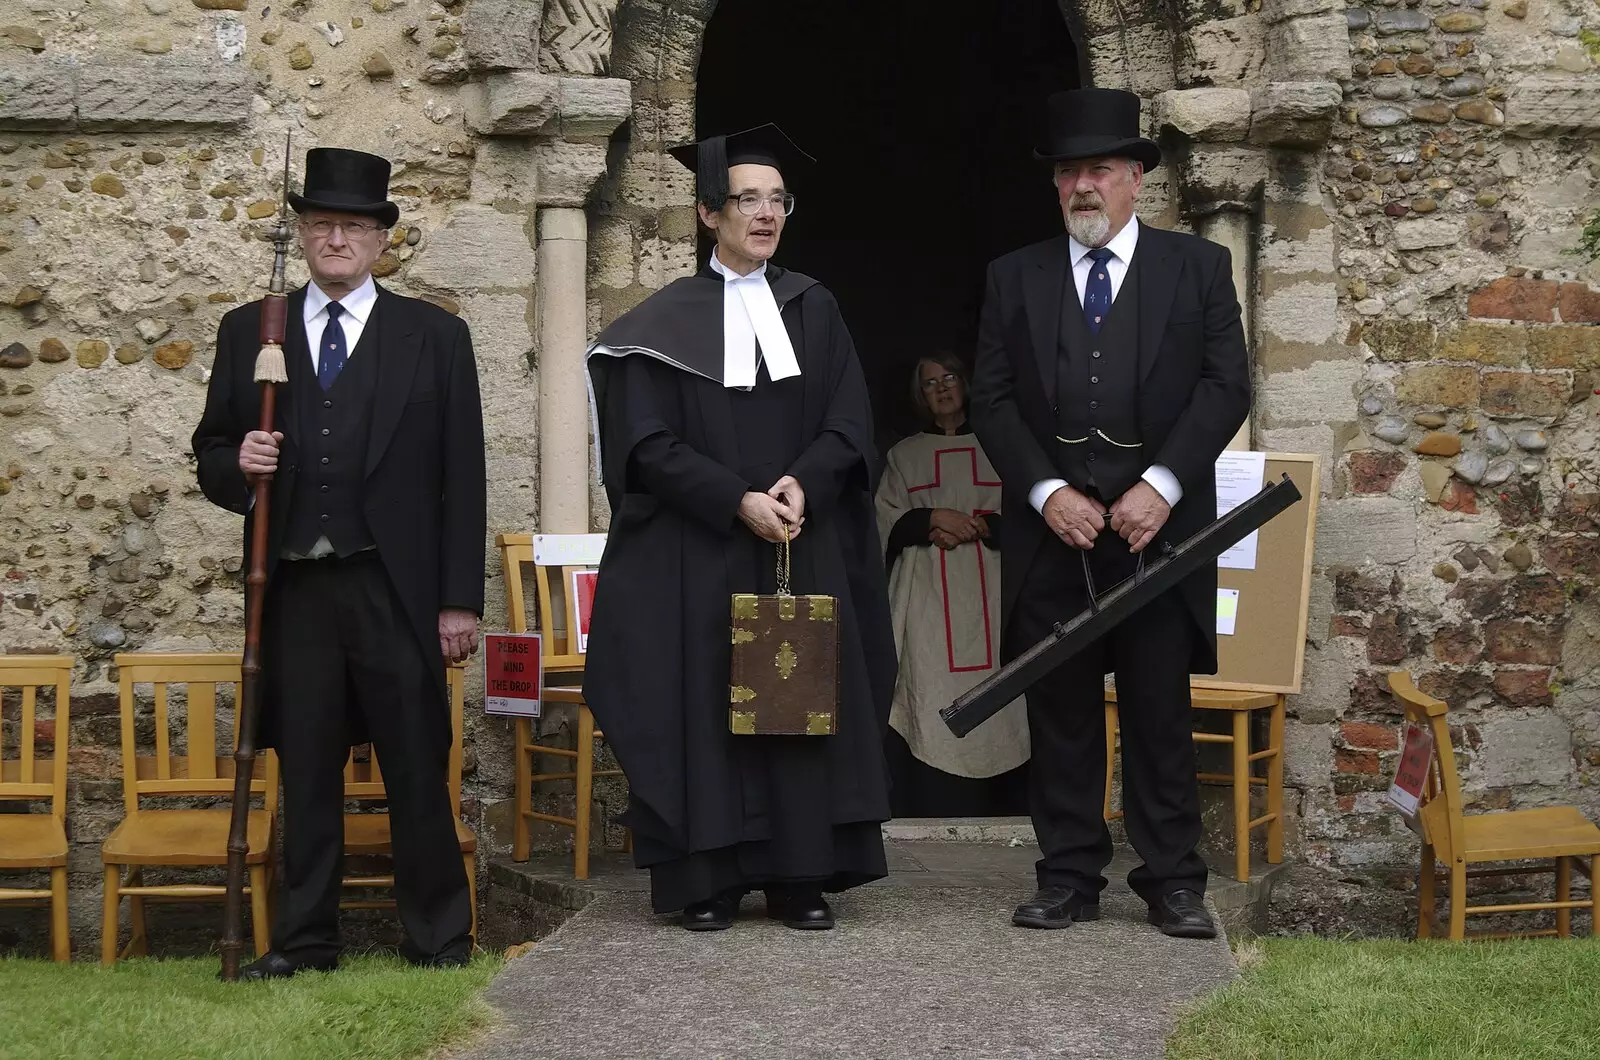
(948, 527)
(1136, 516)
(768, 514)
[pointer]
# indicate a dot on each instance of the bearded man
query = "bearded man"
(1111, 373)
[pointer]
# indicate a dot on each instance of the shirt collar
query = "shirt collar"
(357, 304)
(1121, 244)
(729, 276)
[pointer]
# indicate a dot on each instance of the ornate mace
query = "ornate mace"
(270, 371)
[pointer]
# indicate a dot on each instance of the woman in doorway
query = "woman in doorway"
(939, 517)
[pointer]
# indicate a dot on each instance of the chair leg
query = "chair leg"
(108, 916)
(1594, 894)
(139, 943)
(581, 813)
(1425, 887)
(1111, 754)
(1241, 794)
(521, 840)
(60, 932)
(1275, 785)
(627, 841)
(260, 920)
(471, 864)
(1564, 894)
(1458, 900)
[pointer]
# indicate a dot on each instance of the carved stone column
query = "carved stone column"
(563, 395)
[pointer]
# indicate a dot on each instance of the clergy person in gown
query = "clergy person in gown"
(939, 516)
(731, 408)
(374, 562)
(1111, 374)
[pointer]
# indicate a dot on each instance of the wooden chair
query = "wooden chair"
(554, 557)
(1558, 835)
(369, 834)
(1241, 777)
(34, 841)
(182, 838)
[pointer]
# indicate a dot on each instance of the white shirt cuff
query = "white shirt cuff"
(1164, 482)
(1041, 492)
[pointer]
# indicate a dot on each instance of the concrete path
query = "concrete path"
(923, 964)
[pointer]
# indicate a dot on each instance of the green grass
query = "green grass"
(372, 1008)
(1324, 999)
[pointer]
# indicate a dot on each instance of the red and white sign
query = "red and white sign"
(583, 595)
(513, 674)
(1406, 791)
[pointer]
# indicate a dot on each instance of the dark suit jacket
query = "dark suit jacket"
(1194, 392)
(425, 497)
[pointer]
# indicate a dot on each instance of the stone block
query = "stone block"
(1449, 385)
(1374, 470)
(1224, 52)
(1212, 114)
(567, 172)
(594, 106)
(1293, 113)
(577, 35)
(1421, 233)
(1213, 177)
(1399, 340)
(1564, 346)
(1515, 298)
(1275, 11)
(1578, 303)
(38, 94)
(1540, 395)
(1522, 750)
(1546, 105)
(1515, 641)
(477, 247)
(1306, 395)
(159, 96)
(1353, 531)
(1306, 312)
(516, 104)
(1138, 59)
(502, 34)
(1500, 344)
(1314, 48)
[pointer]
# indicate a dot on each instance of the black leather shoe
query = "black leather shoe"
(456, 956)
(275, 965)
(1183, 915)
(1056, 907)
(714, 914)
(801, 910)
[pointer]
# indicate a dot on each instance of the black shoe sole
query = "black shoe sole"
(715, 925)
(809, 925)
(1182, 931)
(1086, 912)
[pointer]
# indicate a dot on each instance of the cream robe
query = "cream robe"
(946, 608)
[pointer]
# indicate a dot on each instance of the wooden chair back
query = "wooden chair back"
(555, 558)
(193, 765)
(26, 774)
(363, 775)
(1441, 810)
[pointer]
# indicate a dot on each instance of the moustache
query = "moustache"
(1088, 204)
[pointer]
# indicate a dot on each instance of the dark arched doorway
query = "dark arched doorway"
(923, 127)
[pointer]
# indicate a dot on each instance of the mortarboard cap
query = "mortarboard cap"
(710, 159)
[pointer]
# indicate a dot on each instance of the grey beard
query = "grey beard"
(1091, 232)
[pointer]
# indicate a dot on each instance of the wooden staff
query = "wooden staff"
(270, 371)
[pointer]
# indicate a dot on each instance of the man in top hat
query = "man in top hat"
(374, 564)
(1111, 373)
(731, 412)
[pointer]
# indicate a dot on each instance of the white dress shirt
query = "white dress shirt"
(1121, 245)
(357, 307)
(749, 313)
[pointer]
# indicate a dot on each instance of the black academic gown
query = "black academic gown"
(710, 811)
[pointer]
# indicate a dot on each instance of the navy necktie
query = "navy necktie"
(333, 354)
(1097, 291)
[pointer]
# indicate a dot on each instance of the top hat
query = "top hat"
(1095, 123)
(710, 158)
(347, 182)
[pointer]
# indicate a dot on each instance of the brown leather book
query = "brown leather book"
(784, 679)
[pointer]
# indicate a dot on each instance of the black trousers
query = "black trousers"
(1149, 654)
(337, 642)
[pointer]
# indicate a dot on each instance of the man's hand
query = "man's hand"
(258, 454)
(955, 524)
(944, 540)
(458, 633)
(766, 517)
(1074, 517)
(787, 491)
(1138, 515)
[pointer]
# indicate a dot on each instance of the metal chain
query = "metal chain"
(783, 564)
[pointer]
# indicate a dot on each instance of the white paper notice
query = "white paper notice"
(1227, 611)
(1239, 477)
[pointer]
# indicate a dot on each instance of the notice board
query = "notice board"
(1266, 651)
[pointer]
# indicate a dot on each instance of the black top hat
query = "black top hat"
(1095, 123)
(348, 182)
(710, 158)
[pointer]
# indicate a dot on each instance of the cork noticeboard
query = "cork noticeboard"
(1266, 651)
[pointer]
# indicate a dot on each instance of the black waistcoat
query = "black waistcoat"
(1097, 391)
(334, 424)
